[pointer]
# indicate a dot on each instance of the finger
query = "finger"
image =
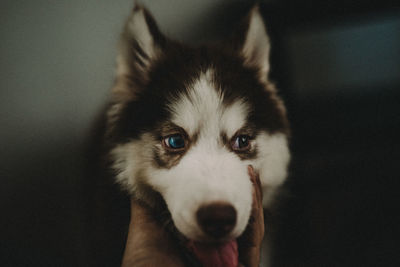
(254, 191)
(258, 187)
(251, 173)
(255, 179)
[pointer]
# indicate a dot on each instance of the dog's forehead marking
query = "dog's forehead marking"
(202, 110)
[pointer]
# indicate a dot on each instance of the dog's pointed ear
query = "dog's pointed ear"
(253, 42)
(140, 45)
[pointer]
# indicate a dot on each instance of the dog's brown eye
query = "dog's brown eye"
(241, 142)
(176, 141)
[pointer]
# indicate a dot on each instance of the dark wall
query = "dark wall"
(338, 66)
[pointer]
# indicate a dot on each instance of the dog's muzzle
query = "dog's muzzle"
(216, 220)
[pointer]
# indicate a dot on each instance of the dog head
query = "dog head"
(187, 122)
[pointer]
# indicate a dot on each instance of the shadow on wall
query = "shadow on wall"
(57, 66)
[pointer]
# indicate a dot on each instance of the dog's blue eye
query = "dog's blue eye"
(241, 142)
(176, 141)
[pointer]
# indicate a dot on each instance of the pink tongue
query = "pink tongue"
(216, 255)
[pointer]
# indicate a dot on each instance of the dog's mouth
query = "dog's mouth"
(221, 254)
(218, 246)
(217, 221)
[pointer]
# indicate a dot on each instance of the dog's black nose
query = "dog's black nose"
(217, 219)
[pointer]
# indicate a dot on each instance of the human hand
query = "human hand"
(149, 244)
(251, 240)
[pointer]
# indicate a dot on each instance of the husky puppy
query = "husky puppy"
(184, 123)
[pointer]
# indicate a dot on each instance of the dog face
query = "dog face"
(187, 122)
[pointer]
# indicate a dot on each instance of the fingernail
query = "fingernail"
(251, 172)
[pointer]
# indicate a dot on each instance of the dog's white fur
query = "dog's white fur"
(208, 172)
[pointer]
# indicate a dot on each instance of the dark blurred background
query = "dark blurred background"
(337, 64)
